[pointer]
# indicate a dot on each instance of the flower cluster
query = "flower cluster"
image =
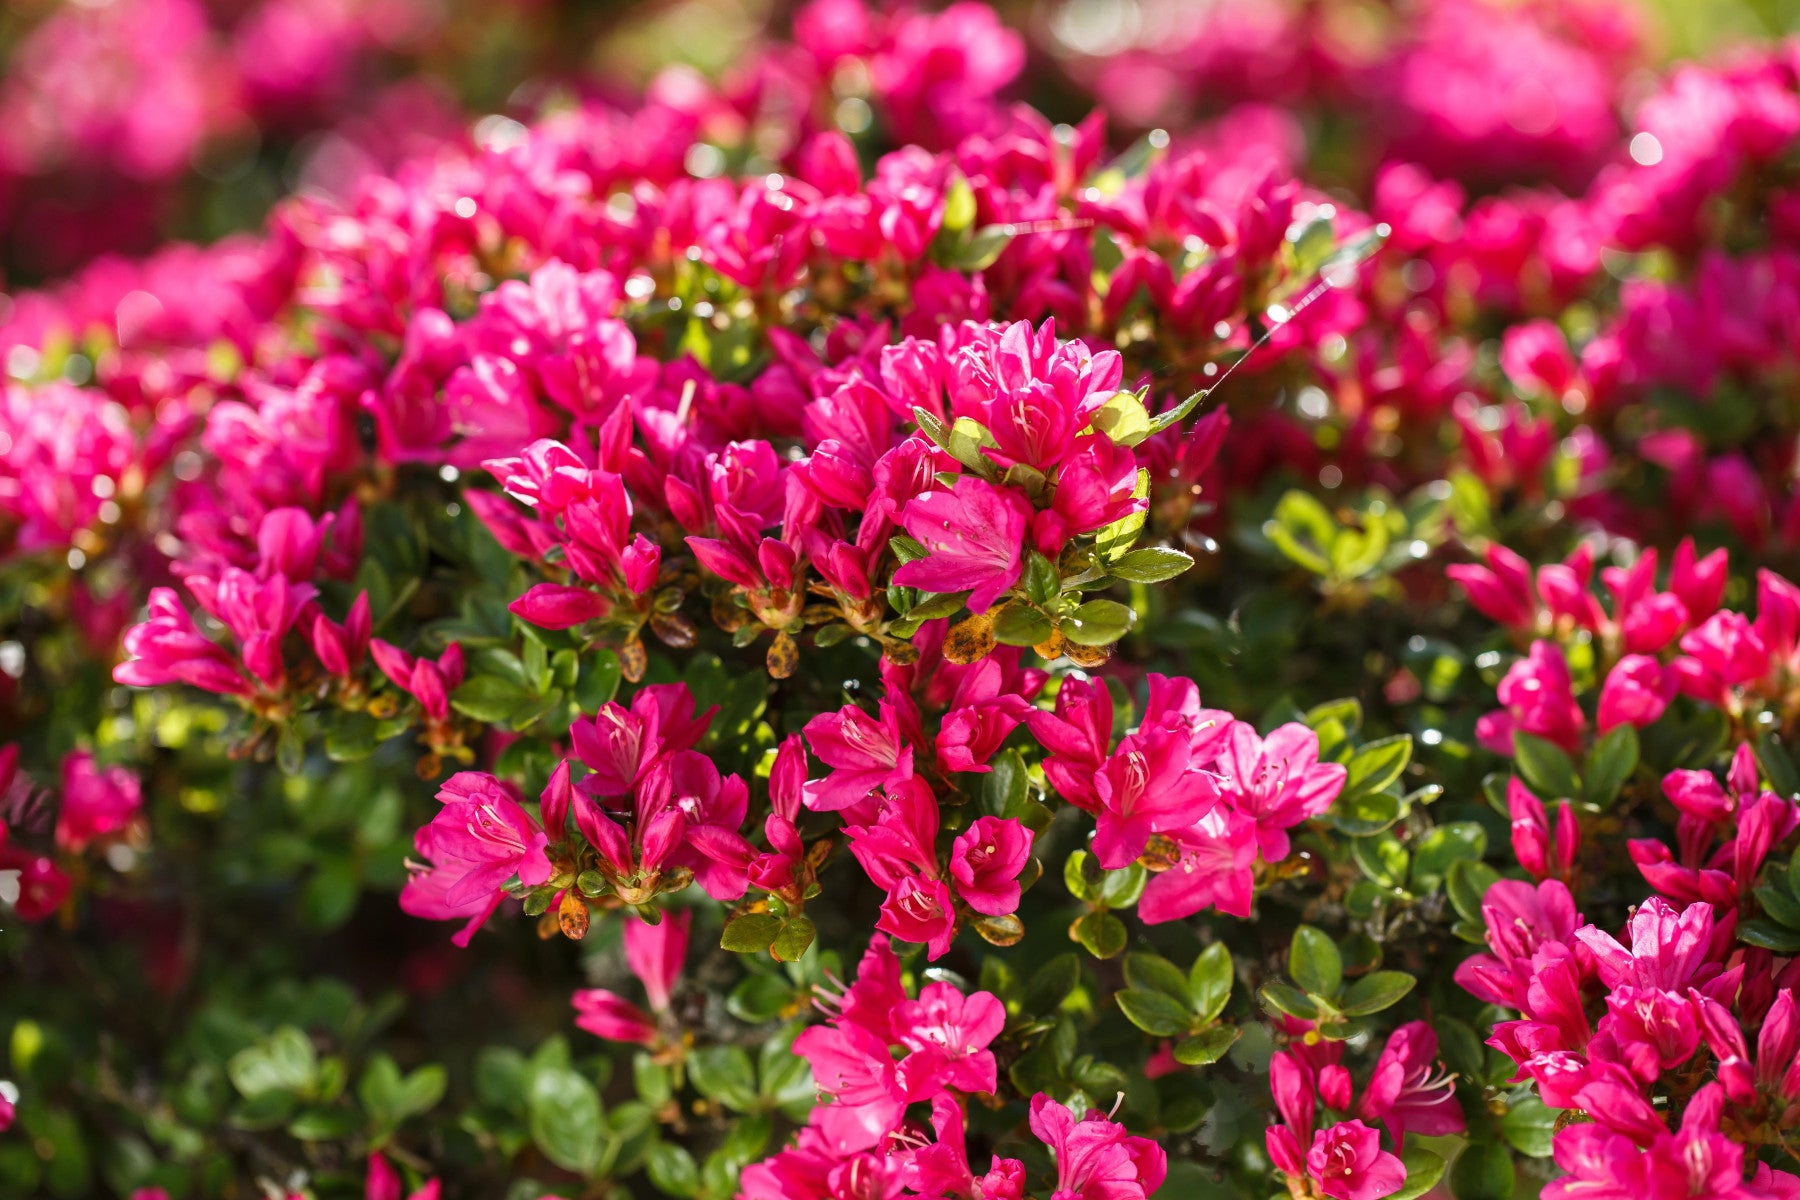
(740, 559)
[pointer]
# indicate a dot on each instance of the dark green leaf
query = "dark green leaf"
(1610, 763)
(1150, 564)
(1314, 962)
(1207, 1046)
(1100, 934)
(750, 933)
(1155, 1013)
(565, 1119)
(1376, 991)
(1209, 981)
(489, 699)
(1156, 973)
(1377, 764)
(1545, 767)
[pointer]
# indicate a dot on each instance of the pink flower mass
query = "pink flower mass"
(934, 600)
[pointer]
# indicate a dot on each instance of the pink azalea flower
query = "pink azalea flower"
(1277, 781)
(428, 681)
(96, 801)
(985, 861)
(1636, 692)
(479, 839)
(1095, 1158)
(610, 1016)
(864, 754)
(655, 953)
(1409, 1091)
(1149, 785)
(1347, 1162)
(974, 537)
(1216, 870)
(948, 1034)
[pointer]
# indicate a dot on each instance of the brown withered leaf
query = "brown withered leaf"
(572, 916)
(1087, 657)
(1000, 931)
(784, 656)
(971, 640)
(1053, 648)
(673, 629)
(728, 615)
(901, 654)
(634, 660)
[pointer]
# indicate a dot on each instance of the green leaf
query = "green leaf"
(1779, 903)
(1051, 984)
(1545, 767)
(1529, 1125)
(1467, 883)
(1123, 419)
(1285, 998)
(1007, 786)
(563, 1114)
(1377, 764)
(1098, 623)
(967, 437)
(1150, 564)
(284, 1062)
(1155, 1013)
(598, 681)
(1423, 1170)
(1121, 888)
(1483, 1171)
(351, 737)
(1610, 763)
(1382, 858)
(1769, 936)
(1314, 962)
(1100, 933)
(725, 1074)
(1376, 991)
(750, 933)
(1157, 974)
(1777, 765)
(1209, 981)
(1018, 624)
(1443, 845)
(489, 699)
(795, 936)
(1207, 1046)
(673, 1170)
(391, 1098)
(1167, 420)
(1082, 875)
(1304, 531)
(983, 247)
(1042, 580)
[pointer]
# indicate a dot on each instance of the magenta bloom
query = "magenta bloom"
(1149, 785)
(864, 754)
(96, 801)
(974, 536)
(1216, 870)
(985, 862)
(1347, 1162)
(655, 953)
(1277, 781)
(1408, 1090)
(610, 1016)
(948, 1034)
(1636, 692)
(1095, 1158)
(479, 839)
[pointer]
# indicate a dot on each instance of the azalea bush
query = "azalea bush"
(830, 634)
